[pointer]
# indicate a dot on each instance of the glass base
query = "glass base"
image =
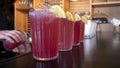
(65, 49)
(82, 41)
(45, 59)
(76, 44)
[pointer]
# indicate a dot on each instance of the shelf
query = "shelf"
(24, 9)
(106, 3)
(80, 2)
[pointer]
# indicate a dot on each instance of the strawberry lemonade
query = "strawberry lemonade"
(45, 34)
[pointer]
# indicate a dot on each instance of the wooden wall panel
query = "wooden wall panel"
(20, 18)
(66, 5)
(109, 12)
(99, 0)
(113, 0)
(79, 6)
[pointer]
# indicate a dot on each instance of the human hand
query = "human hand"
(12, 36)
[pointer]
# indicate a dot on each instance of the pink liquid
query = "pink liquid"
(66, 35)
(77, 32)
(45, 35)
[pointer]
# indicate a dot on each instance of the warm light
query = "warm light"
(73, 0)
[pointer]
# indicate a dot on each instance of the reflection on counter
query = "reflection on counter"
(46, 64)
(78, 54)
(65, 59)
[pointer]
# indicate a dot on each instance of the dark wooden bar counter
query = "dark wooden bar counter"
(102, 51)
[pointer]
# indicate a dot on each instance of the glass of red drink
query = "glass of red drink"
(45, 28)
(82, 31)
(66, 35)
(77, 33)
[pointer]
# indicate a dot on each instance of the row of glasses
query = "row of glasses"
(50, 34)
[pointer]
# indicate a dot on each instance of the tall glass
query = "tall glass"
(45, 34)
(66, 35)
(77, 32)
(82, 29)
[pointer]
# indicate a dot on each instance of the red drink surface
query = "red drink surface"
(45, 34)
(77, 32)
(66, 35)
